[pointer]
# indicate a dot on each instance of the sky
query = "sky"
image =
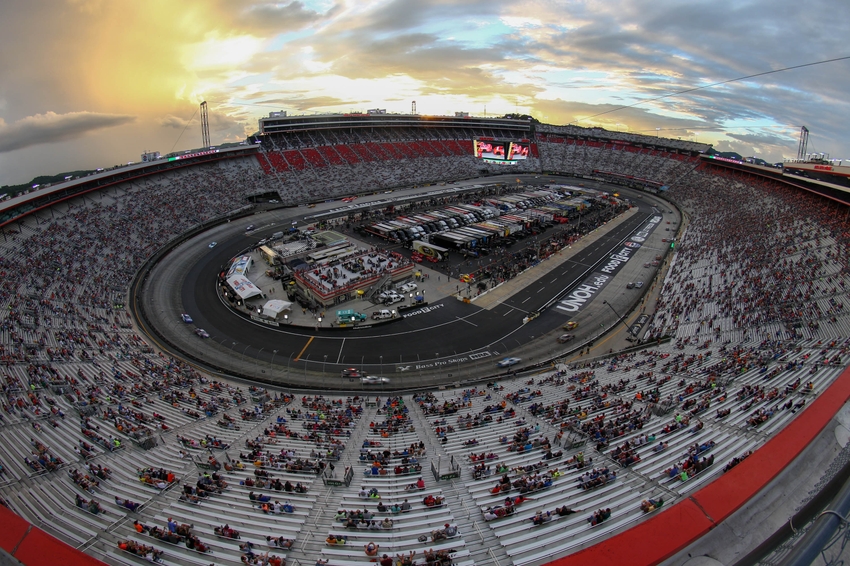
(94, 83)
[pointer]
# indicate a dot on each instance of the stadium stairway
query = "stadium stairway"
(482, 543)
(321, 521)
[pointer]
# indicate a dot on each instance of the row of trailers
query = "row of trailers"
(464, 227)
(405, 229)
(489, 232)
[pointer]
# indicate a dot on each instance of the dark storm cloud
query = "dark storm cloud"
(52, 128)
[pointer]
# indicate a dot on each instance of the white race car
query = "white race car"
(507, 362)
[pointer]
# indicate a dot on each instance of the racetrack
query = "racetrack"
(442, 343)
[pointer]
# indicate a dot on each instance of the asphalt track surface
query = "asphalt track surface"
(445, 338)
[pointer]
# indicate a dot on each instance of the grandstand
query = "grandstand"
(753, 301)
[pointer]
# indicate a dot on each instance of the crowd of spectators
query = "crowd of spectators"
(65, 336)
(313, 166)
(599, 157)
(601, 134)
(758, 261)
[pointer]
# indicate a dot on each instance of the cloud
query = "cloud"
(221, 122)
(313, 102)
(51, 128)
(400, 15)
(766, 145)
(225, 124)
(280, 18)
(756, 139)
(635, 119)
(560, 61)
(418, 41)
(172, 121)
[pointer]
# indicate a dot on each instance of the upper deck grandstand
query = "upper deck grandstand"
(752, 302)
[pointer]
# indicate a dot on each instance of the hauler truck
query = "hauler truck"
(430, 250)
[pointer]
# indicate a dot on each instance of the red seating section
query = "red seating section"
(464, 147)
(33, 547)
(375, 150)
(277, 161)
(264, 163)
(362, 152)
(330, 155)
(326, 156)
(314, 157)
(406, 149)
(347, 153)
(295, 159)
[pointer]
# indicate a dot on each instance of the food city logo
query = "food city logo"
(643, 234)
(616, 260)
(422, 310)
(584, 292)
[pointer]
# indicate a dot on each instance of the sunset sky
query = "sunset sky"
(94, 83)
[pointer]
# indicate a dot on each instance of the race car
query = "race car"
(507, 362)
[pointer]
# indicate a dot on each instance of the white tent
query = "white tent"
(243, 287)
(273, 308)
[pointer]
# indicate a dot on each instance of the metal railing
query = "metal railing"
(818, 528)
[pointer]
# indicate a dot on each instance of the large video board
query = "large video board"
(500, 151)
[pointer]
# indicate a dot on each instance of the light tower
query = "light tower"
(205, 125)
(413, 107)
(804, 143)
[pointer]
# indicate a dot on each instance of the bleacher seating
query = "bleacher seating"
(754, 301)
(276, 159)
(295, 160)
(347, 153)
(331, 155)
(313, 157)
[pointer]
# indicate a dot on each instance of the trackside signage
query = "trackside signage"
(642, 234)
(581, 295)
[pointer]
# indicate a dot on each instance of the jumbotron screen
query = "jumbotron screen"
(500, 151)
